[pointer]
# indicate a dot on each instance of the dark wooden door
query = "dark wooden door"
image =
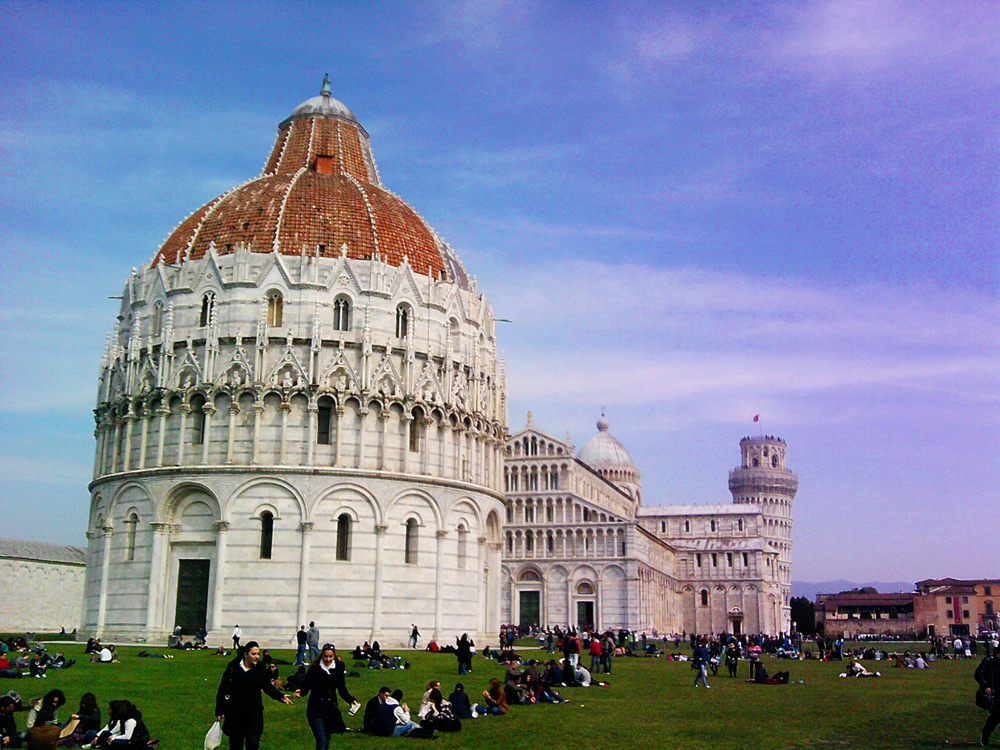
(529, 609)
(192, 594)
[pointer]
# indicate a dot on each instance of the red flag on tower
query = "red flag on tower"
(756, 417)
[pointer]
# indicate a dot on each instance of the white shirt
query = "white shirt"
(106, 655)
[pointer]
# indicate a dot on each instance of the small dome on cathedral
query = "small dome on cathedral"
(323, 105)
(604, 451)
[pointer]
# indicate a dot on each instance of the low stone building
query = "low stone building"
(43, 586)
(853, 613)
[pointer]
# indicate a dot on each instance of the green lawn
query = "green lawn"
(650, 704)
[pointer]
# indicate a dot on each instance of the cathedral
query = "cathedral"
(581, 548)
(302, 415)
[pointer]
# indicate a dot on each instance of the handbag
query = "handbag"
(213, 738)
(984, 701)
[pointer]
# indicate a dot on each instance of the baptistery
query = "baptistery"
(301, 415)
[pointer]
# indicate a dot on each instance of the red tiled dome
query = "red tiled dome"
(319, 191)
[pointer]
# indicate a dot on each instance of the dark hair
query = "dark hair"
(50, 704)
(459, 687)
(397, 694)
(6, 701)
(436, 697)
(384, 689)
(88, 703)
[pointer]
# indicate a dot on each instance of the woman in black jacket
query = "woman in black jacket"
(322, 682)
(238, 704)
(988, 677)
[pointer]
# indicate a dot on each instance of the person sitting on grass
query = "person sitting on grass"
(9, 736)
(125, 729)
(438, 714)
(762, 677)
(495, 698)
(106, 655)
(46, 711)
(460, 704)
(515, 692)
(89, 715)
(372, 722)
(857, 669)
(400, 713)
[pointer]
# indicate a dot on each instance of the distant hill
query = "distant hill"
(809, 590)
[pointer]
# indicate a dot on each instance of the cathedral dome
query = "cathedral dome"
(604, 451)
(319, 195)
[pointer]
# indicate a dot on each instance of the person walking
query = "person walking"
(463, 652)
(988, 677)
(237, 634)
(414, 635)
(322, 683)
(302, 645)
(238, 703)
(701, 658)
(312, 640)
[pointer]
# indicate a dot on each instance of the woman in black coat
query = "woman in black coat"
(238, 704)
(322, 683)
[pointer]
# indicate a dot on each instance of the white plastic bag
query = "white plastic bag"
(214, 737)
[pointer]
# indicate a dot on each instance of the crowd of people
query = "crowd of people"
(253, 673)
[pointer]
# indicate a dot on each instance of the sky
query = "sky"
(693, 213)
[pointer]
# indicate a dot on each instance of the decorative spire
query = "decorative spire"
(325, 91)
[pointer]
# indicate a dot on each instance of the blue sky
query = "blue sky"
(692, 212)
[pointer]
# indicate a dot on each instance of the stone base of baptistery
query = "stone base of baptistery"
(174, 545)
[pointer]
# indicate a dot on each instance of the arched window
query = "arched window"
(529, 576)
(207, 305)
(704, 597)
(756, 462)
(324, 418)
(343, 537)
(774, 461)
(529, 542)
(463, 548)
(529, 514)
(410, 550)
(687, 527)
(416, 431)
(156, 328)
(130, 527)
(550, 542)
(266, 534)
(198, 420)
(456, 335)
(402, 321)
(275, 306)
(585, 588)
(342, 314)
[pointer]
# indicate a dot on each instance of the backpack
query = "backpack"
(385, 720)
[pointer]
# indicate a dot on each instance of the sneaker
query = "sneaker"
(707, 687)
(475, 714)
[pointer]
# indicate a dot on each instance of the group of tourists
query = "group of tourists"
(124, 730)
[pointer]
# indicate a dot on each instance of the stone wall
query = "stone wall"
(40, 596)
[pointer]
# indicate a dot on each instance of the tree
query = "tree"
(803, 615)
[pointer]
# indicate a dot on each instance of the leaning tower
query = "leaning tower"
(762, 479)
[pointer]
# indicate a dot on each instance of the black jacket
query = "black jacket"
(322, 688)
(239, 701)
(988, 676)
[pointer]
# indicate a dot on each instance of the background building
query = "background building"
(581, 549)
(938, 606)
(43, 586)
(301, 415)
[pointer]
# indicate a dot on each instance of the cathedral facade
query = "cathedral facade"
(581, 548)
(301, 415)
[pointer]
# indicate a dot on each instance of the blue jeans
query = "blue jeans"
(402, 729)
(300, 657)
(702, 675)
(322, 728)
(313, 651)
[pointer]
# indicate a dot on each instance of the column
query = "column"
(362, 425)
(105, 570)
(383, 418)
(234, 409)
(99, 437)
(143, 439)
(115, 444)
(404, 428)
(313, 412)
(283, 451)
(162, 412)
(481, 591)
(258, 409)
(157, 578)
(306, 528)
(442, 445)
(207, 409)
(438, 585)
(219, 574)
(380, 530)
(127, 458)
(337, 439)
(182, 433)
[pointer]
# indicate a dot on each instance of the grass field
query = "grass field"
(650, 704)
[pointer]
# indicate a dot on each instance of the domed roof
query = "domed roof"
(323, 105)
(604, 451)
(319, 194)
